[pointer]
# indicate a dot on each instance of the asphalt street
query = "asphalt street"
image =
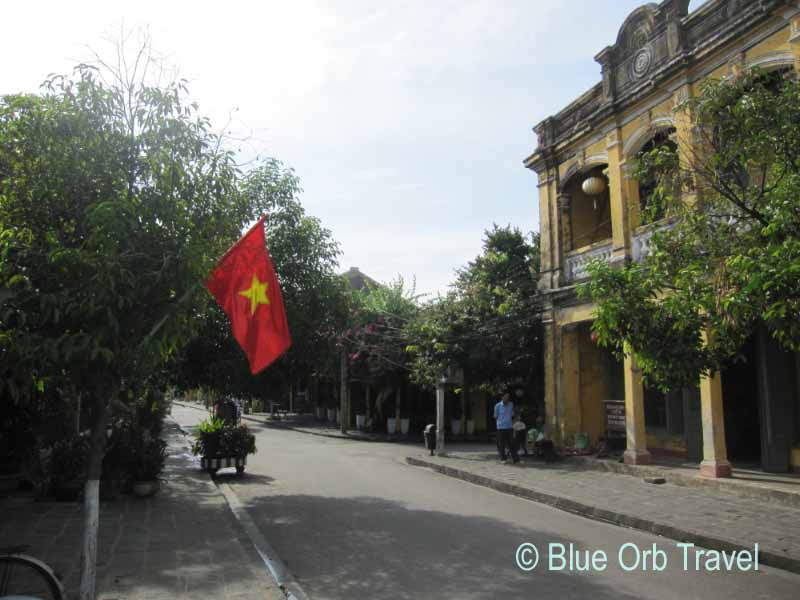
(351, 520)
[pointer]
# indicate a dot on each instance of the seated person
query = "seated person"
(520, 438)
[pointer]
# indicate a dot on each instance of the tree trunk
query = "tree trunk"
(91, 499)
(344, 404)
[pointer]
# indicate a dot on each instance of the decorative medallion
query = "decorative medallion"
(642, 62)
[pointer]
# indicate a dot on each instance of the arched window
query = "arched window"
(588, 211)
(647, 186)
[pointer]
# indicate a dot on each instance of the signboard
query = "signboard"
(615, 418)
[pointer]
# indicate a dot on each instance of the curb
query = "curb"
(282, 577)
(767, 557)
(728, 486)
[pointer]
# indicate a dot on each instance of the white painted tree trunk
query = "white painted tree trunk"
(440, 419)
(91, 525)
(344, 409)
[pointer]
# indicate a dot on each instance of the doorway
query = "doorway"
(741, 406)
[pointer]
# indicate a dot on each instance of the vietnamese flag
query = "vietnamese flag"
(245, 286)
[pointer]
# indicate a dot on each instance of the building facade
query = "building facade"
(749, 413)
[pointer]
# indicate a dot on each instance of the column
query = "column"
(794, 37)
(440, 417)
(715, 454)
(570, 383)
(551, 360)
(636, 437)
(620, 235)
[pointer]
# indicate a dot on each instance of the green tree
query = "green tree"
(376, 341)
(115, 201)
(488, 324)
(316, 298)
(728, 260)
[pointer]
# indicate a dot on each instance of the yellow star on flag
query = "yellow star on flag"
(257, 293)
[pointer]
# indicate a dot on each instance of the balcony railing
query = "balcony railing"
(575, 264)
(643, 238)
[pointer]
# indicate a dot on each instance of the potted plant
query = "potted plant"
(147, 463)
(455, 419)
(469, 422)
(405, 421)
(222, 445)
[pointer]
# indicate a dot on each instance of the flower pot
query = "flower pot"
(360, 421)
(331, 415)
(391, 425)
(404, 426)
(455, 426)
(143, 489)
(470, 427)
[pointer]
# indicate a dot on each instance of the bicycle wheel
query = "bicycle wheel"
(25, 577)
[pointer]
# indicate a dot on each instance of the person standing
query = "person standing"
(504, 417)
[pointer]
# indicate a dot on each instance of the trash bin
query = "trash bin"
(430, 438)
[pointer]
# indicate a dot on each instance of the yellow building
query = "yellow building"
(661, 54)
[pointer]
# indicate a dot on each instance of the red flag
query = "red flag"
(245, 286)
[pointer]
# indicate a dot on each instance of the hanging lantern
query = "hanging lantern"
(593, 186)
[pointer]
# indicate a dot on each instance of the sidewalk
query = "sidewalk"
(709, 518)
(182, 543)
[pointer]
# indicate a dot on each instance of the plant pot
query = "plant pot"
(470, 427)
(331, 415)
(405, 424)
(391, 425)
(143, 489)
(455, 426)
(360, 421)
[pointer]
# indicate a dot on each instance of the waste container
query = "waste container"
(430, 438)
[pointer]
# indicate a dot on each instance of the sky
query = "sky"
(406, 122)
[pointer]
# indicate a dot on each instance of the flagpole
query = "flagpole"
(236, 243)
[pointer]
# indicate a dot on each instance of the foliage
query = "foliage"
(148, 459)
(68, 460)
(376, 341)
(305, 257)
(727, 258)
(488, 323)
(216, 439)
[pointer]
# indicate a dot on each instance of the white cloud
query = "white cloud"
(407, 121)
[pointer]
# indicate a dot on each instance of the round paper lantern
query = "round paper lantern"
(593, 186)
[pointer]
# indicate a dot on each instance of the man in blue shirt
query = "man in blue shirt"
(504, 417)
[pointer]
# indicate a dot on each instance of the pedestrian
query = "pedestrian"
(504, 417)
(520, 433)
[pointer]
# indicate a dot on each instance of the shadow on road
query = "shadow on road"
(365, 547)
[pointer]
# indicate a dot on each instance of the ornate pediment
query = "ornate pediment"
(655, 42)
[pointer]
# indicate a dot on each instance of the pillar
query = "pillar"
(715, 454)
(570, 384)
(620, 236)
(550, 379)
(794, 37)
(636, 452)
(550, 226)
(440, 387)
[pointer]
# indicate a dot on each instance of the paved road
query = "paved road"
(352, 520)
